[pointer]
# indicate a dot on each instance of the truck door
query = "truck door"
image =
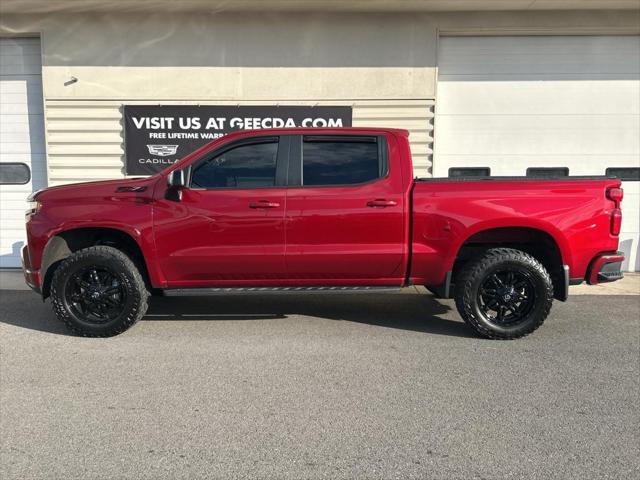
(228, 227)
(345, 213)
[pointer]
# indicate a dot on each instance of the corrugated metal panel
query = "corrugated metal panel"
(85, 137)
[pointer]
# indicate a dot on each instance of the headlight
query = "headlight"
(32, 196)
(33, 207)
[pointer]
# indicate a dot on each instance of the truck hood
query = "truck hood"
(93, 189)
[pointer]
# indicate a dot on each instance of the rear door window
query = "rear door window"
(335, 160)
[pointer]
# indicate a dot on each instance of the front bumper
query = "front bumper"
(31, 276)
(605, 268)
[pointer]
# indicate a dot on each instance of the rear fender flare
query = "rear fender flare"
(544, 227)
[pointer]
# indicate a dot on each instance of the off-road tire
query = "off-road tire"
(470, 279)
(129, 276)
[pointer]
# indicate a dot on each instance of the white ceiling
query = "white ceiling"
(50, 6)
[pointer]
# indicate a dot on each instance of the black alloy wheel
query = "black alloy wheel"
(96, 294)
(506, 297)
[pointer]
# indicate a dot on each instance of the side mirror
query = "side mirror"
(177, 181)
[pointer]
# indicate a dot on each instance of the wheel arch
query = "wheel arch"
(66, 242)
(548, 246)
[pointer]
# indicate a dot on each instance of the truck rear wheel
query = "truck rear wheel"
(504, 294)
(98, 292)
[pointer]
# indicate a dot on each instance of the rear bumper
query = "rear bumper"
(605, 268)
(31, 276)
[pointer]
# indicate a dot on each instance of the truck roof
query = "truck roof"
(322, 130)
(239, 134)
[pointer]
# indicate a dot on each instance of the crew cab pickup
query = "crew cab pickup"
(319, 209)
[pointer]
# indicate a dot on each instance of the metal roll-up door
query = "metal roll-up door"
(517, 102)
(22, 146)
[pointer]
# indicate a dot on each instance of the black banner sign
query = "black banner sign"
(157, 136)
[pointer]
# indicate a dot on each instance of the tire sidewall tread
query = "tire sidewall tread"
(469, 279)
(132, 281)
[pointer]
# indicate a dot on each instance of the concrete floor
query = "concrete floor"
(318, 386)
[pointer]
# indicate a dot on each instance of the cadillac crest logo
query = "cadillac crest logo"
(162, 150)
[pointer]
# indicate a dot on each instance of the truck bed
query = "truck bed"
(572, 213)
(513, 178)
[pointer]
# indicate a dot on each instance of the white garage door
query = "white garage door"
(510, 103)
(22, 151)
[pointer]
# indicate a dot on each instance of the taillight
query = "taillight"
(616, 221)
(616, 195)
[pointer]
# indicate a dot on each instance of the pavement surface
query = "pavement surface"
(316, 386)
(629, 285)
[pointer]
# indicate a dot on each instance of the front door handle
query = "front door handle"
(381, 202)
(264, 204)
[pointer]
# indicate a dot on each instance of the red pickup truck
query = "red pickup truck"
(327, 209)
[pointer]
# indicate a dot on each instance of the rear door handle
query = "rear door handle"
(381, 202)
(264, 204)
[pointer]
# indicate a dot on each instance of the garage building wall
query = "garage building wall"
(382, 64)
(92, 129)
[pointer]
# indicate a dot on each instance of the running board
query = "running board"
(191, 292)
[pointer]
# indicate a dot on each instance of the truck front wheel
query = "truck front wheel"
(504, 294)
(98, 292)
